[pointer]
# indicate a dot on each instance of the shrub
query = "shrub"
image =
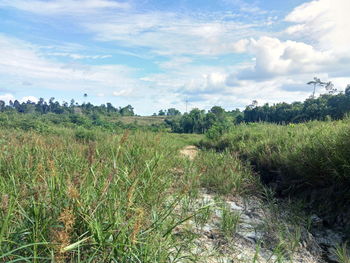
(85, 135)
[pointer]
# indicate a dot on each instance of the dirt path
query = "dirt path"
(189, 151)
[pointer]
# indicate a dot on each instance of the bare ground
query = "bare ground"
(255, 230)
(189, 151)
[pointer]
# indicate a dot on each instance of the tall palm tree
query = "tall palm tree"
(315, 82)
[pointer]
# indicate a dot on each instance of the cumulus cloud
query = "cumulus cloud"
(274, 57)
(323, 22)
(320, 48)
(274, 66)
(10, 97)
(7, 97)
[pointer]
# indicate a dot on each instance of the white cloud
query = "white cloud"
(78, 56)
(175, 62)
(122, 93)
(29, 98)
(70, 7)
(8, 96)
(316, 43)
(22, 62)
(321, 48)
(164, 33)
(277, 58)
(323, 22)
(172, 34)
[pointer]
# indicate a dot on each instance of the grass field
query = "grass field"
(72, 195)
(310, 160)
(69, 197)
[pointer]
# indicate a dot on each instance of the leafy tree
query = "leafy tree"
(127, 111)
(2, 105)
(173, 112)
(330, 105)
(161, 113)
(347, 90)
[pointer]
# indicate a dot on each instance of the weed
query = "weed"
(342, 253)
(229, 221)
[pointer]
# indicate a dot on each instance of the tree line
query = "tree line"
(326, 106)
(52, 106)
(333, 105)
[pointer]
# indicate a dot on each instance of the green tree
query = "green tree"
(173, 112)
(127, 111)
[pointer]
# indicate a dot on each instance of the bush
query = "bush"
(85, 135)
(309, 160)
(217, 130)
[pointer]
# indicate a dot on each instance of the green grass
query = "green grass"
(89, 195)
(86, 194)
(309, 160)
(142, 120)
(342, 253)
(75, 199)
(225, 174)
(229, 221)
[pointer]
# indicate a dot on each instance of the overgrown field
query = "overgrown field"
(309, 160)
(72, 196)
(90, 194)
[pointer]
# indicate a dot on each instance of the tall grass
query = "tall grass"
(84, 197)
(310, 159)
(224, 173)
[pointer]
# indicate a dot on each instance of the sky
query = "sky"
(158, 54)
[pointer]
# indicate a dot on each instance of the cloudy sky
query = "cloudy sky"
(157, 54)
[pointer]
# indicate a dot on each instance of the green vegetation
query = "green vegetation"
(327, 106)
(43, 107)
(309, 160)
(217, 121)
(48, 123)
(83, 195)
(341, 253)
(89, 195)
(142, 120)
(229, 221)
(81, 183)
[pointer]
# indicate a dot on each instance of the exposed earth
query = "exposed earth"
(263, 231)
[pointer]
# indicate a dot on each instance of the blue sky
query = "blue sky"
(156, 54)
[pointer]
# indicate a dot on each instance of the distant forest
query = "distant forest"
(52, 106)
(327, 106)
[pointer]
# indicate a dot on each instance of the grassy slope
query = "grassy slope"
(311, 160)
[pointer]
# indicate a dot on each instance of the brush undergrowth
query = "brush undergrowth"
(88, 195)
(311, 160)
(80, 196)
